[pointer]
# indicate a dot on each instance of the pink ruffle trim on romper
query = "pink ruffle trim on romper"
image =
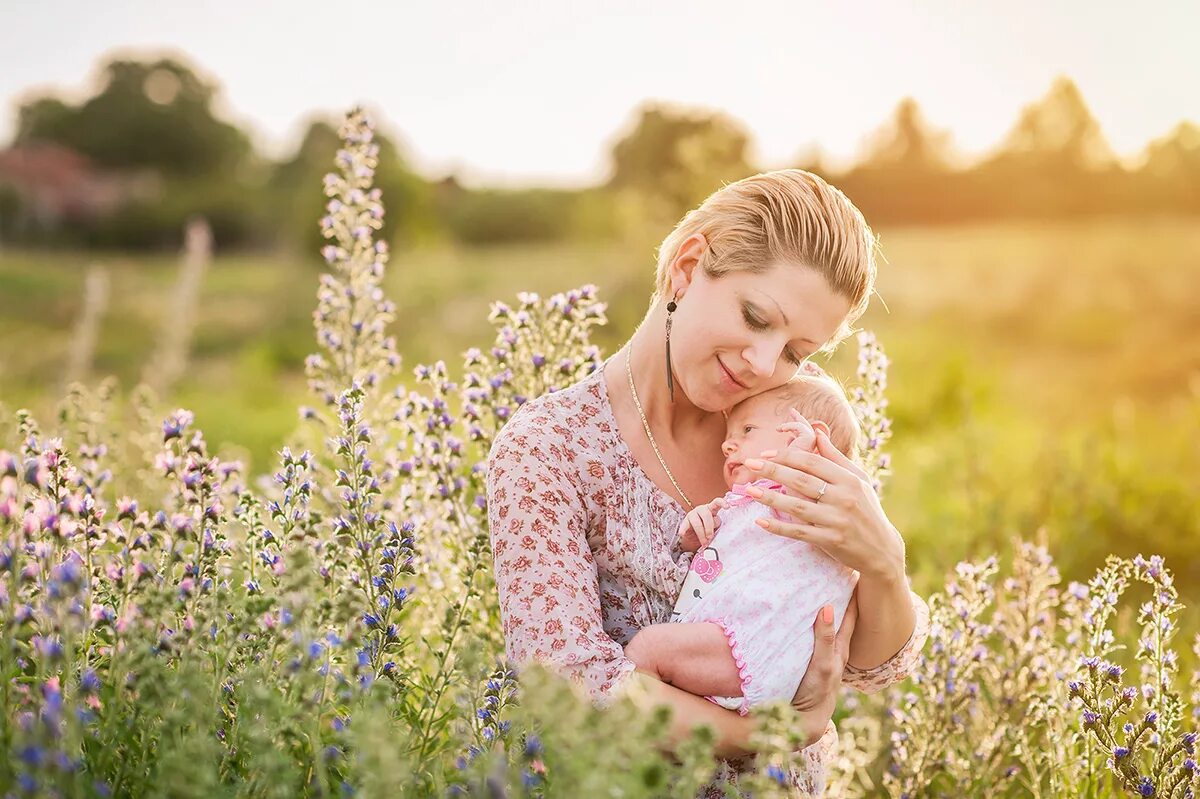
(743, 670)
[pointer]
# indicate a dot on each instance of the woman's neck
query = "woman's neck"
(646, 351)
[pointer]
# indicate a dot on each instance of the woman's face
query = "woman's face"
(738, 335)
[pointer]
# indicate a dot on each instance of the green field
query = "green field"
(1043, 375)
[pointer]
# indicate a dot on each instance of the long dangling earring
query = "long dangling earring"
(671, 306)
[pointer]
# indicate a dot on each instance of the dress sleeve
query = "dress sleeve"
(545, 572)
(899, 665)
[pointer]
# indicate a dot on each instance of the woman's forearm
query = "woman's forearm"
(885, 619)
(733, 731)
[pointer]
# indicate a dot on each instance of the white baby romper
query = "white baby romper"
(764, 591)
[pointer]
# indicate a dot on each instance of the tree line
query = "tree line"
(156, 118)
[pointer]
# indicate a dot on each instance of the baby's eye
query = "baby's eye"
(746, 430)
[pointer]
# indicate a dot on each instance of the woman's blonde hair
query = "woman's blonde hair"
(788, 215)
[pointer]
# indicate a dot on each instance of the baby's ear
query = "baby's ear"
(819, 425)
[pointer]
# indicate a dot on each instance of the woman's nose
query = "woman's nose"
(762, 362)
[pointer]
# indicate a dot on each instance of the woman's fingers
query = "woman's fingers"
(798, 484)
(785, 466)
(824, 644)
(805, 507)
(820, 537)
(826, 448)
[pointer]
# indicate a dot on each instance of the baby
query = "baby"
(742, 626)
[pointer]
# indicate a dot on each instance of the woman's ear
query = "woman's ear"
(682, 269)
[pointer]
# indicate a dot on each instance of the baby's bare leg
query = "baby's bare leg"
(694, 657)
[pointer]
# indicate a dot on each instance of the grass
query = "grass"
(1043, 375)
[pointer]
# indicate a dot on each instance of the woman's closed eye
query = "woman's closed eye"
(757, 323)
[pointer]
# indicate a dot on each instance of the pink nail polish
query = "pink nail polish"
(753, 463)
(754, 491)
(769, 453)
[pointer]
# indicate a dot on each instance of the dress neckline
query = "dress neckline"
(641, 474)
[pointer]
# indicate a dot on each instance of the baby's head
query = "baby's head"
(753, 424)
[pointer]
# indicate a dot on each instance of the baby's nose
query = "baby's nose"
(727, 448)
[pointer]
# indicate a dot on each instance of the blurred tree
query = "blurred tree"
(156, 115)
(1177, 153)
(905, 173)
(1057, 132)
(673, 159)
(1055, 162)
(907, 143)
(1172, 169)
(811, 158)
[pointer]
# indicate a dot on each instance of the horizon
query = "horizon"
(544, 127)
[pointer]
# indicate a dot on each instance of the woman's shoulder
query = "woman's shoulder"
(561, 439)
(573, 414)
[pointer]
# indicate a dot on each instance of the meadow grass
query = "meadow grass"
(341, 619)
(1042, 375)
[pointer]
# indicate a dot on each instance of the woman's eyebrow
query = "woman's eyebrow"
(785, 319)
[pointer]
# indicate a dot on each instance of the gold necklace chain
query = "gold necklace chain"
(646, 427)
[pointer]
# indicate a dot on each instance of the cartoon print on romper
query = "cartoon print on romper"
(703, 570)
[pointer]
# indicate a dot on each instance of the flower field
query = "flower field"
(322, 621)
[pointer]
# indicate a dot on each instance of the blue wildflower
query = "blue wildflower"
(533, 746)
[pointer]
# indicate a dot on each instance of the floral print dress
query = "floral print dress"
(586, 554)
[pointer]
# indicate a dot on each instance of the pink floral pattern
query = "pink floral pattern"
(586, 553)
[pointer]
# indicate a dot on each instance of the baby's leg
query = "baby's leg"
(694, 657)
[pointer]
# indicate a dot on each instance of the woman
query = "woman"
(587, 486)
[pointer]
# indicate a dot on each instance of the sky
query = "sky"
(512, 92)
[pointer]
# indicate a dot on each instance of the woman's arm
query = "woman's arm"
(900, 664)
(886, 618)
(544, 570)
(813, 704)
(733, 731)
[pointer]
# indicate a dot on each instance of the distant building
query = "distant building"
(55, 186)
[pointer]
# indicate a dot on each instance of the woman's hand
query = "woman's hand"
(833, 507)
(816, 697)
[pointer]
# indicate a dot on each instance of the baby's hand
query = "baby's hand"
(802, 434)
(700, 525)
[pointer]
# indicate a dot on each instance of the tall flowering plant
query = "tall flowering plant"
(170, 627)
(1023, 691)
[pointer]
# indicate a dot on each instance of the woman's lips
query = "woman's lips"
(729, 374)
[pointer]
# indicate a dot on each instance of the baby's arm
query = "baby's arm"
(693, 657)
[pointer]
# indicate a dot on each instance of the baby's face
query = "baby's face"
(752, 426)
